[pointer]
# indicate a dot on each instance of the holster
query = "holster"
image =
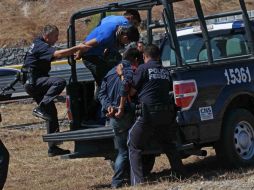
(28, 76)
(156, 113)
(141, 110)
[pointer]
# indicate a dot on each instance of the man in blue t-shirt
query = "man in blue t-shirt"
(111, 34)
(113, 88)
(101, 49)
(130, 17)
(43, 88)
(153, 83)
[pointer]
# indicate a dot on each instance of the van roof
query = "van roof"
(211, 27)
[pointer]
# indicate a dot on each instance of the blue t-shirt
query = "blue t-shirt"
(117, 20)
(39, 57)
(153, 83)
(105, 34)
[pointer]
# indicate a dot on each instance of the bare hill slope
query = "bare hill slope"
(21, 20)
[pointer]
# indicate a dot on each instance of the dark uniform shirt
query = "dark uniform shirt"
(39, 57)
(113, 88)
(153, 83)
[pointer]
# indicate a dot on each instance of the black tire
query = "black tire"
(148, 163)
(5, 97)
(236, 145)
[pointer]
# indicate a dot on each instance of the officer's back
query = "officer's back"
(154, 82)
(151, 81)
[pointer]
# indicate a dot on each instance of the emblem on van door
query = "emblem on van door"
(206, 113)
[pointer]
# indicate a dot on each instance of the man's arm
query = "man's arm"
(104, 100)
(102, 96)
(121, 106)
(85, 46)
(126, 75)
(104, 36)
(132, 91)
(66, 52)
(91, 43)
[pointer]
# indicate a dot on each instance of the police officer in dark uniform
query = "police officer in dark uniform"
(153, 83)
(43, 88)
(4, 163)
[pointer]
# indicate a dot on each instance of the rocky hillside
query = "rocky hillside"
(21, 20)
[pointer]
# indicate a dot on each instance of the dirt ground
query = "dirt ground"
(30, 168)
(19, 113)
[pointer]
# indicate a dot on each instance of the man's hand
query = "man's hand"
(111, 111)
(119, 113)
(82, 49)
(78, 55)
(119, 69)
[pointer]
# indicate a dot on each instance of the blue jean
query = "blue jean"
(121, 127)
(121, 166)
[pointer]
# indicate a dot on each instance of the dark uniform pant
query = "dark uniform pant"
(97, 66)
(45, 90)
(140, 133)
(4, 163)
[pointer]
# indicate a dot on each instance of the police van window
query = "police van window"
(192, 44)
(236, 46)
(216, 50)
(167, 55)
(189, 47)
(227, 44)
(224, 44)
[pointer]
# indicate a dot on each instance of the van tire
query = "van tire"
(236, 145)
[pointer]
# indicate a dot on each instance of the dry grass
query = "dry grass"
(30, 168)
(21, 113)
(21, 21)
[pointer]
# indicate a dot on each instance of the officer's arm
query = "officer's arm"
(126, 80)
(66, 52)
(85, 46)
(137, 80)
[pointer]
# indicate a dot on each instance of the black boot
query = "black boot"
(176, 163)
(41, 113)
(55, 151)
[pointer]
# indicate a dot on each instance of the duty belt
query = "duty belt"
(160, 107)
